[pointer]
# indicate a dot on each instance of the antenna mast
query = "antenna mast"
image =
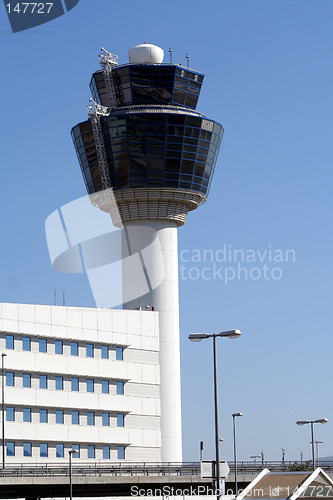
(107, 62)
(95, 112)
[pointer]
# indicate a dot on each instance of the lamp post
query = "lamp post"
(234, 415)
(70, 453)
(318, 421)
(201, 450)
(197, 337)
(3, 355)
(317, 443)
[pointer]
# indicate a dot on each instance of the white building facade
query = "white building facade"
(83, 379)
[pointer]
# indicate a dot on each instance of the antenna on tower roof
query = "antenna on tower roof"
(188, 60)
(170, 52)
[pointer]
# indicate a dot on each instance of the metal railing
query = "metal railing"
(143, 468)
(99, 469)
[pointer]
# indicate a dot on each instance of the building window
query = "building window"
(26, 414)
(26, 344)
(76, 448)
(59, 450)
(10, 449)
(91, 451)
(74, 349)
(90, 385)
(59, 383)
(75, 384)
(9, 341)
(75, 418)
(27, 449)
(105, 419)
(90, 418)
(43, 450)
(42, 345)
(89, 350)
(42, 381)
(10, 379)
(105, 386)
(120, 420)
(59, 417)
(58, 347)
(106, 452)
(43, 416)
(119, 353)
(10, 414)
(120, 387)
(26, 380)
(121, 452)
(104, 352)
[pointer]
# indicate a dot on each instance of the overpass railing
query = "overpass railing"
(144, 468)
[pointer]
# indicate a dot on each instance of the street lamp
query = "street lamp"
(3, 355)
(317, 443)
(234, 415)
(70, 453)
(318, 421)
(197, 337)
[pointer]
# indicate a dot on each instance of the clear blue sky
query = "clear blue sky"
(269, 81)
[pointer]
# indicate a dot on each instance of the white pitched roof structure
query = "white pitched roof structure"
(289, 485)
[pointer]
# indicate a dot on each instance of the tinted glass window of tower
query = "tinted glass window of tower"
(179, 151)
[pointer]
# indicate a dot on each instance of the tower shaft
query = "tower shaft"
(154, 243)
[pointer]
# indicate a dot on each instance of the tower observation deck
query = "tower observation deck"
(145, 141)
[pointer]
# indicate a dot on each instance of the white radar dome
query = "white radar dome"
(146, 54)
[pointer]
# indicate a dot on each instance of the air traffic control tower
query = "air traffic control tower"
(145, 142)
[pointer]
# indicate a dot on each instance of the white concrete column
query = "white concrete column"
(154, 283)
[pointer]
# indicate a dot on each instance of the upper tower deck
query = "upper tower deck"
(152, 136)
